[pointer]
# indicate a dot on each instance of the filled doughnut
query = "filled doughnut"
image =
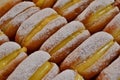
(11, 54)
(93, 55)
(10, 22)
(39, 27)
(35, 67)
(65, 40)
(98, 14)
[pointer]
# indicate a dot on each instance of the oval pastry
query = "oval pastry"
(93, 55)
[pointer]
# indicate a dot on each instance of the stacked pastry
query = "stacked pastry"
(59, 40)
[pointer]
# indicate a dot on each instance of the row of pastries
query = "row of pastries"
(59, 40)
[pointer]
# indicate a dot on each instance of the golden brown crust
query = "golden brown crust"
(7, 4)
(11, 66)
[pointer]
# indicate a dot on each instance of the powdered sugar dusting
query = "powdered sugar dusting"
(61, 34)
(104, 61)
(23, 16)
(30, 23)
(26, 68)
(48, 30)
(63, 52)
(93, 7)
(87, 48)
(16, 10)
(66, 75)
(8, 47)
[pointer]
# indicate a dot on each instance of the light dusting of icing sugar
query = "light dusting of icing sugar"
(99, 39)
(93, 7)
(88, 47)
(49, 29)
(105, 60)
(26, 68)
(23, 16)
(8, 47)
(66, 75)
(16, 10)
(70, 46)
(30, 23)
(61, 34)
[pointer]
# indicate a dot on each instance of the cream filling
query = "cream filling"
(38, 28)
(65, 41)
(95, 16)
(41, 71)
(7, 59)
(95, 57)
